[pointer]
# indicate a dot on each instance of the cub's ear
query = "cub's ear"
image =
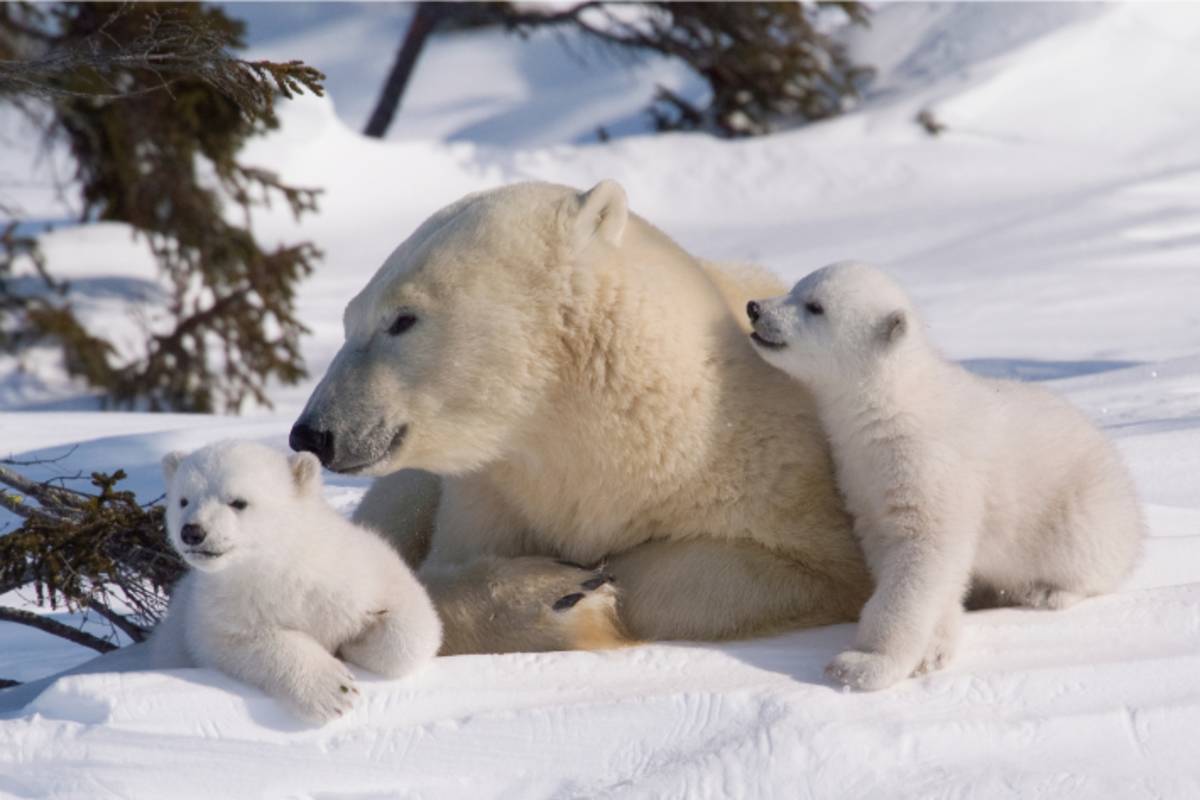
(603, 213)
(170, 464)
(893, 327)
(306, 472)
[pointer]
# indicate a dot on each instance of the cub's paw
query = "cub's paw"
(326, 692)
(867, 671)
(942, 646)
(1046, 597)
(940, 653)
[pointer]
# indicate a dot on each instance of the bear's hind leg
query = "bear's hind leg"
(526, 604)
(706, 589)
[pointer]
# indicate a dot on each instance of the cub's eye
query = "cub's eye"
(239, 504)
(183, 502)
(813, 307)
(402, 323)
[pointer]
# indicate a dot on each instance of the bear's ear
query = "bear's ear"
(306, 472)
(170, 464)
(603, 212)
(893, 327)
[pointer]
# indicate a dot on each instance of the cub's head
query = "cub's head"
(448, 348)
(231, 500)
(843, 319)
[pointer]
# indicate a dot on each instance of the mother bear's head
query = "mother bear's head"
(448, 348)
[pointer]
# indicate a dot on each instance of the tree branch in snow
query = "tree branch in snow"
(135, 632)
(87, 551)
(764, 62)
(22, 617)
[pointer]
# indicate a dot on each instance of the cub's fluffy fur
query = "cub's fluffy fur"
(952, 479)
(281, 585)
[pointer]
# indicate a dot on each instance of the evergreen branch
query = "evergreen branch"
(149, 99)
(172, 48)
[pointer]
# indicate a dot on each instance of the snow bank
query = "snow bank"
(1049, 234)
(1098, 701)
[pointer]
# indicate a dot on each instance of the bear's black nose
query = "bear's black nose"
(192, 534)
(753, 311)
(305, 438)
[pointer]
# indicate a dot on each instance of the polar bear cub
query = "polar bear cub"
(953, 480)
(282, 585)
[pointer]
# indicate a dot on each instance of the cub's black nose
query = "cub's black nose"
(192, 534)
(753, 310)
(308, 439)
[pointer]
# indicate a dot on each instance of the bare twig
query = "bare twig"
(24, 578)
(37, 462)
(135, 632)
(22, 617)
(56, 502)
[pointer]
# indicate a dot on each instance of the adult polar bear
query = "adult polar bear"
(587, 391)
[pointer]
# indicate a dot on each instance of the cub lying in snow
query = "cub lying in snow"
(281, 584)
(952, 479)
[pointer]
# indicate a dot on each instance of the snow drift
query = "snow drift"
(1051, 233)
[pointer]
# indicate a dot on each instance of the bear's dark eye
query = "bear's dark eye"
(183, 502)
(813, 307)
(402, 323)
(239, 504)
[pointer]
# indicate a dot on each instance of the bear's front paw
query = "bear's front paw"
(327, 692)
(867, 671)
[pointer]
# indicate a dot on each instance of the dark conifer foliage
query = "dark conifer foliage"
(99, 551)
(154, 108)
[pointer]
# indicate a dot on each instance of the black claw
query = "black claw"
(345, 689)
(592, 584)
(563, 603)
(567, 563)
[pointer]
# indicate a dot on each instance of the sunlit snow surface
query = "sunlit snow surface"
(1052, 234)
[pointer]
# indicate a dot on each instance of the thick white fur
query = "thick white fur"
(951, 478)
(586, 390)
(294, 587)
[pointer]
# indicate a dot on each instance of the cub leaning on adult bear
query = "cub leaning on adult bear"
(587, 392)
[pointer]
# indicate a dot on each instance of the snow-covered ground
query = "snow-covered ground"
(1052, 233)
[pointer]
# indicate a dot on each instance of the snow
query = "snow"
(1049, 234)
